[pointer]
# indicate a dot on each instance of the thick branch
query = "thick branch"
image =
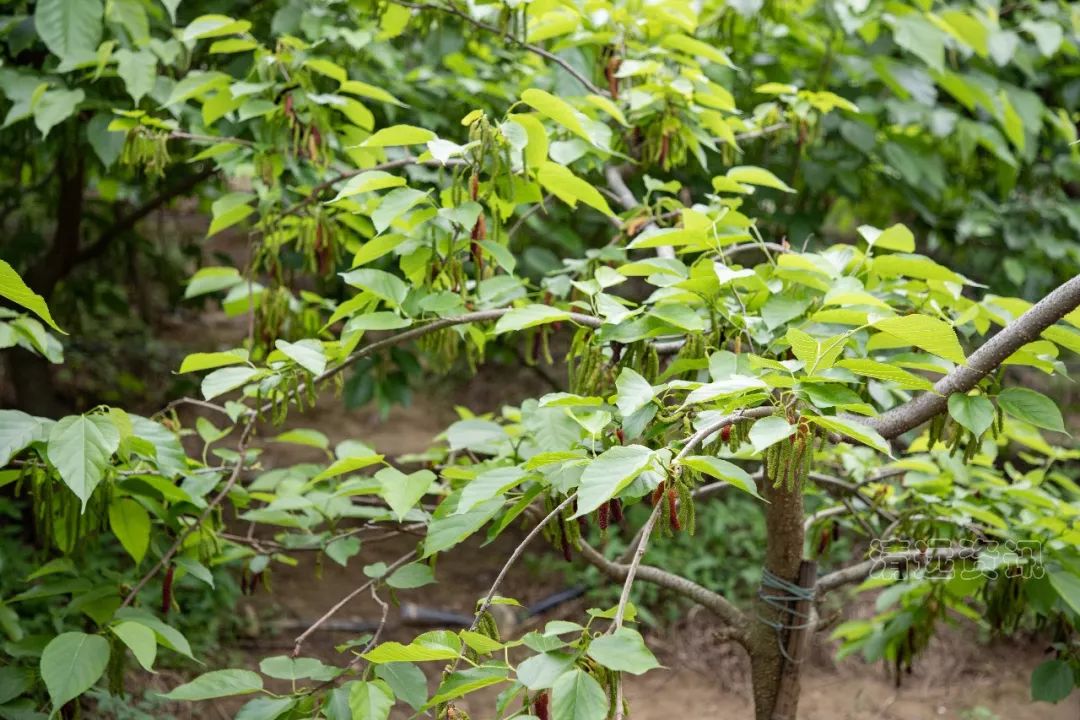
(982, 362)
(714, 602)
(128, 222)
(861, 571)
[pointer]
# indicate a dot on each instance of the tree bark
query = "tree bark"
(30, 373)
(783, 557)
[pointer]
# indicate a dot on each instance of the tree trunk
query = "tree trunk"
(30, 374)
(770, 673)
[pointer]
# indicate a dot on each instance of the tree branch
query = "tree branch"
(716, 603)
(535, 49)
(128, 222)
(299, 642)
(919, 558)
(1027, 328)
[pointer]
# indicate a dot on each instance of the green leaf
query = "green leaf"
(623, 651)
(722, 470)
(171, 6)
(769, 431)
(229, 210)
(402, 491)
(394, 205)
(854, 430)
(307, 353)
(54, 107)
(138, 70)
(370, 700)
(487, 485)
(634, 392)
(130, 524)
(410, 576)
(17, 430)
(816, 355)
(208, 361)
(610, 472)
(140, 640)
(208, 26)
(283, 667)
(369, 181)
(342, 549)
(348, 464)
(932, 335)
(399, 135)
(466, 681)
(303, 436)
(529, 316)
(406, 680)
(750, 175)
(265, 708)
(541, 671)
(216, 684)
(556, 109)
(690, 46)
(577, 696)
(212, 279)
(974, 412)
(14, 289)
(167, 635)
(883, 371)
(1067, 585)
(727, 387)
(914, 266)
(446, 532)
(71, 663)
(80, 446)
(569, 188)
(1052, 681)
(896, 237)
(389, 652)
(379, 283)
(1032, 407)
(71, 29)
(226, 379)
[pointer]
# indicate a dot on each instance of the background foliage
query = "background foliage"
(807, 209)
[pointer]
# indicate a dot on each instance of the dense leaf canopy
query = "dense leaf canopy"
(769, 242)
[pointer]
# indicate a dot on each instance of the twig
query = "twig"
(516, 554)
(535, 49)
(298, 643)
(211, 139)
(631, 571)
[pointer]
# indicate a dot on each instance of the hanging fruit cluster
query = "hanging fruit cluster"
(59, 519)
(944, 430)
(664, 142)
(564, 531)
(146, 148)
(735, 434)
(592, 372)
(789, 461)
(676, 493)
(442, 348)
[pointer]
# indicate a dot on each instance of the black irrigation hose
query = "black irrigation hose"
(419, 615)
